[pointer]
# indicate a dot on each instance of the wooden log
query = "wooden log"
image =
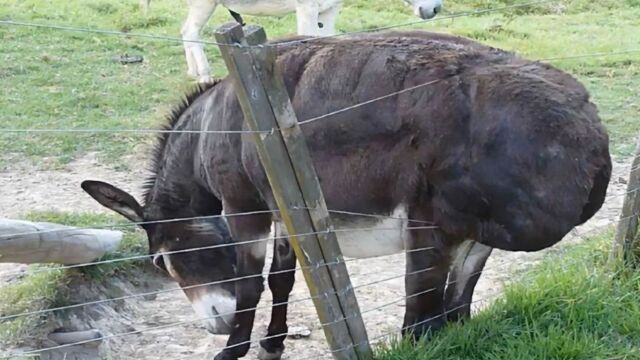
(41, 242)
(295, 186)
(626, 245)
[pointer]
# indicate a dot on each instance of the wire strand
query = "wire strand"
(284, 43)
(212, 283)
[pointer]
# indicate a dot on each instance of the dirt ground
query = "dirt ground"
(24, 189)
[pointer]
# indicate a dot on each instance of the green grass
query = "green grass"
(570, 306)
(59, 79)
(39, 289)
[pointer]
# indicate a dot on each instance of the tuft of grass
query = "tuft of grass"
(35, 292)
(61, 79)
(40, 289)
(573, 305)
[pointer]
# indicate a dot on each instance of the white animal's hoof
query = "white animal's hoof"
(205, 79)
(265, 355)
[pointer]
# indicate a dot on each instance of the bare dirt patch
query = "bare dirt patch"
(24, 189)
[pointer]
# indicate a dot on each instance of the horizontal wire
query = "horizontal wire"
(309, 298)
(284, 43)
(140, 223)
(390, 333)
(416, 22)
(460, 306)
(218, 282)
(140, 131)
(211, 247)
(323, 295)
(307, 121)
(303, 122)
(598, 54)
(164, 326)
(111, 32)
(235, 312)
(139, 257)
(343, 212)
(125, 225)
(380, 307)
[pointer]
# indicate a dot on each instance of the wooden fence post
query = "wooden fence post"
(625, 245)
(284, 155)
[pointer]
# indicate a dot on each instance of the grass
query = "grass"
(39, 289)
(570, 306)
(60, 79)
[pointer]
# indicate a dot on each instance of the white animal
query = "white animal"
(314, 18)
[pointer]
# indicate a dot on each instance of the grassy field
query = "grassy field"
(570, 306)
(60, 79)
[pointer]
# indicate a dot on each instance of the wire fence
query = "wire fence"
(285, 43)
(411, 224)
(304, 299)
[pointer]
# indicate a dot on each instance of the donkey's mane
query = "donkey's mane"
(171, 120)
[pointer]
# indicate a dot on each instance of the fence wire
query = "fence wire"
(284, 43)
(294, 301)
(41, 131)
(200, 218)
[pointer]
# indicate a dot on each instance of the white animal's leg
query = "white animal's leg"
(307, 12)
(199, 13)
(328, 20)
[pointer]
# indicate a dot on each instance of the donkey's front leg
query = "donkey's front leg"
(246, 230)
(426, 275)
(281, 280)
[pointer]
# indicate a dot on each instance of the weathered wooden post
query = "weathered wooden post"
(287, 162)
(625, 245)
(29, 242)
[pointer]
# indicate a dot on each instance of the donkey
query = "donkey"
(497, 152)
(314, 18)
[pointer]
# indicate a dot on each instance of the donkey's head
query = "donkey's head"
(195, 253)
(425, 9)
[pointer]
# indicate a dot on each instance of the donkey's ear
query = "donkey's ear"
(114, 198)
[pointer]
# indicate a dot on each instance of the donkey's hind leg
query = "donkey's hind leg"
(425, 279)
(281, 280)
(470, 258)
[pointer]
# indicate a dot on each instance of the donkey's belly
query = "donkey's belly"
(362, 237)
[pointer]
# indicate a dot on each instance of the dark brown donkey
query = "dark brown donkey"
(506, 152)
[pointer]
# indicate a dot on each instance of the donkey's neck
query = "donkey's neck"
(173, 185)
(172, 176)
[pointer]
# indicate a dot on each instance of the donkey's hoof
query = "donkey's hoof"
(264, 354)
(424, 329)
